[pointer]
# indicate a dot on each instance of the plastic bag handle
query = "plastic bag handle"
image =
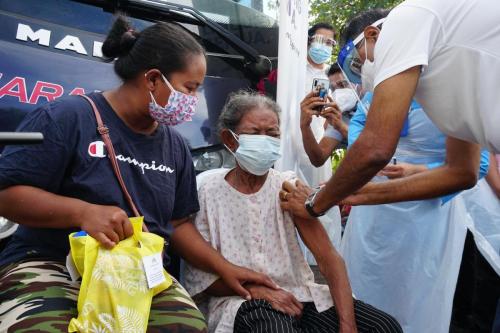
(104, 132)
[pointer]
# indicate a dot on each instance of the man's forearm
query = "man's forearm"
(377, 143)
(459, 173)
(428, 184)
(360, 164)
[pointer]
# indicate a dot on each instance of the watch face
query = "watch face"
(310, 202)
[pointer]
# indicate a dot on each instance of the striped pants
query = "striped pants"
(39, 296)
(259, 316)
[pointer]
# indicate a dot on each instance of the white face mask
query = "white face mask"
(256, 154)
(345, 98)
(368, 73)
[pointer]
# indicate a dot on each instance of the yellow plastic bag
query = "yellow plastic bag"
(114, 294)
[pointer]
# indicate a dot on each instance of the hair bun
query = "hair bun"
(120, 40)
(127, 41)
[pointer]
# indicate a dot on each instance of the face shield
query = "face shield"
(349, 60)
(322, 40)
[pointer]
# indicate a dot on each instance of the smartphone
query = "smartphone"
(321, 86)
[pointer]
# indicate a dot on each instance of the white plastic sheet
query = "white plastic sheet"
(404, 258)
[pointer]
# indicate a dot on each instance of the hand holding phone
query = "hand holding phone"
(320, 87)
(308, 108)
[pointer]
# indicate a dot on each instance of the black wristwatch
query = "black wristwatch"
(310, 203)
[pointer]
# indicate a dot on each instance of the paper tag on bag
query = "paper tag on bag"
(70, 265)
(153, 267)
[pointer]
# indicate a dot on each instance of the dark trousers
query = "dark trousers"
(496, 323)
(477, 293)
(259, 316)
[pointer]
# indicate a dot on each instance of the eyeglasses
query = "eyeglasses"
(323, 40)
(340, 84)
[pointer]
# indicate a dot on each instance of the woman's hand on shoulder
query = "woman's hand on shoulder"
(281, 300)
(107, 224)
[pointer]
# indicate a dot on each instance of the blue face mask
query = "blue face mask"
(320, 53)
(256, 154)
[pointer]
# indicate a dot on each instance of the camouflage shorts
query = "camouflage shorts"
(39, 296)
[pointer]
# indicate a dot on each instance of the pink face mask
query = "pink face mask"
(180, 107)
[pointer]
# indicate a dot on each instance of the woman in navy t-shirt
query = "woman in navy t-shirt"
(67, 182)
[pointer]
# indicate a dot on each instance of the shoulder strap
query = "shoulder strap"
(104, 132)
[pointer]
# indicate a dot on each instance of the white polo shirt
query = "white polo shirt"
(458, 44)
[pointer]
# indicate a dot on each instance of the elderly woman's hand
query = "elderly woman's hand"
(293, 198)
(281, 300)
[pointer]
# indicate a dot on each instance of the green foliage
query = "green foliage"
(337, 157)
(338, 12)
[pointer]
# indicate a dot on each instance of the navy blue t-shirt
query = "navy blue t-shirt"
(72, 161)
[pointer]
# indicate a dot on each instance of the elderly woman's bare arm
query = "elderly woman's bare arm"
(331, 266)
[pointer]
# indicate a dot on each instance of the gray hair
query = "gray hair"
(241, 102)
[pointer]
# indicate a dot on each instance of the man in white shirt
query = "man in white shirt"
(446, 53)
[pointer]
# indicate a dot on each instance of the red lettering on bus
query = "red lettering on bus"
(77, 91)
(15, 88)
(55, 91)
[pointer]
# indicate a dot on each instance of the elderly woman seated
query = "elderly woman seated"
(240, 216)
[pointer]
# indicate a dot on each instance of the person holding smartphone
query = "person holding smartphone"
(337, 116)
(319, 52)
